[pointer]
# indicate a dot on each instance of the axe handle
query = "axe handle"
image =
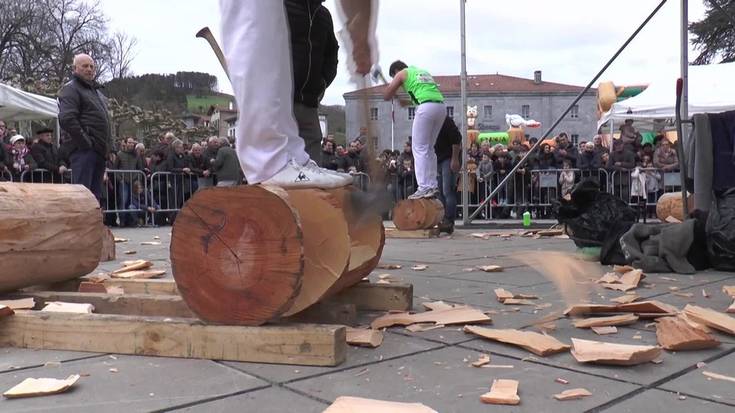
(207, 35)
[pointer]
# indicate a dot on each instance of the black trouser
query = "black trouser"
(88, 168)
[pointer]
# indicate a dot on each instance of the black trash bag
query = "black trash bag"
(721, 232)
(596, 219)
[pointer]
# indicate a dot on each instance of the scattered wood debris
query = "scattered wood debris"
(508, 298)
(626, 298)
(731, 309)
(609, 277)
(20, 303)
(117, 239)
(729, 290)
(6, 311)
(561, 381)
(133, 265)
(482, 235)
(345, 404)
(490, 268)
(61, 307)
(419, 267)
(420, 327)
(139, 274)
(711, 318)
(156, 237)
(649, 309)
(536, 343)
(389, 266)
(31, 387)
(683, 295)
(364, 337)
(130, 252)
(503, 391)
(672, 220)
(601, 331)
(674, 333)
(518, 301)
(481, 361)
(705, 294)
(572, 394)
(626, 281)
(150, 243)
(622, 269)
(718, 376)
(588, 351)
(460, 314)
(616, 320)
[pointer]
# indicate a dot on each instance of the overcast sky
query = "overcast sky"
(569, 40)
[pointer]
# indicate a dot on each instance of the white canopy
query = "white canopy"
(711, 90)
(17, 105)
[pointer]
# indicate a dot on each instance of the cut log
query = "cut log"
(364, 337)
(424, 213)
(345, 404)
(674, 333)
(671, 205)
(48, 233)
(587, 351)
(455, 315)
(616, 320)
(31, 387)
(539, 344)
(572, 394)
(711, 318)
(503, 391)
(108, 245)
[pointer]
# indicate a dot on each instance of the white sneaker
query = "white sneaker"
(425, 193)
(294, 175)
(347, 178)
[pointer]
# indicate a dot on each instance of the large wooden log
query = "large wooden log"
(671, 205)
(48, 233)
(411, 214)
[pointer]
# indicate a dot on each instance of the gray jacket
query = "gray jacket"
(84, 117)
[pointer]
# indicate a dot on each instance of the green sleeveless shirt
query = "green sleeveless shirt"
(421, 86)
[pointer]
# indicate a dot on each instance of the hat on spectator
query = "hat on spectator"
(44, 130)
(17, 138)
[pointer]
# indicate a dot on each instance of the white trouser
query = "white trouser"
(426, 126)
(255, 41)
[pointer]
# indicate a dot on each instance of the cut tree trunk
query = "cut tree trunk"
(251, 254)
(48, 233)
(671, 205)
(108, 245)
(412, 214)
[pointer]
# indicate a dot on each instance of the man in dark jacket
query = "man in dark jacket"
(47, 156)
(447, 148)
(226, 166)
(314, 57)
(127, 160)
(565, 150)
(84, 117)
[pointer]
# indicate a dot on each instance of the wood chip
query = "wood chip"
(420, 327)
(616, 320)
(139, 274)
(31, 387)
(61, 307)
(437, 305)
(601, 331)
(121, 239)
(133, 265)
(683, 295)
(490, 268)
(455, 315)
(672, 220)
(6, 311)
(718, 376)
(562, 381)
(729, 290)
(705, 294)
(150, 243)
(389, 266)
(618, 287)
(633, 277)
(674, 333)
(711, 318)
(625, 299)
(502, 294)
(539, 344)
(622, 269)
(345, 404)
(518, 301)
(609, 278)
(364, 337)
(484, 359)
(503, 391)
(731, 309)
(587, 351)
(419, 267)
(130, 252)
(572, 394)
(20, 303)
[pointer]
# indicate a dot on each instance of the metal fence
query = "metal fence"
(168, 192)
(44, 176)
(6, 176)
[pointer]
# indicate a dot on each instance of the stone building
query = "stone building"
(494, 95)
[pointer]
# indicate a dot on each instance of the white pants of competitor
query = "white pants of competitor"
(427, 123)
(255, 41)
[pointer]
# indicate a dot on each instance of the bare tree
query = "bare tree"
(122, 53)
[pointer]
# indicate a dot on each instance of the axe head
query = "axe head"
(376, 74)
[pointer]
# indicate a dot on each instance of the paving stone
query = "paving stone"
(696, 383)
(270, 400)
(657, 401)
(140, 384)
(15, 358)
(442, 380)
(394, 345)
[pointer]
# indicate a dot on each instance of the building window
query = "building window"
(411, 113)
(574, 113)
(374, 143)
(526, 111)
(450, 111)
(575, 139)
(373, 113)
(488, 111)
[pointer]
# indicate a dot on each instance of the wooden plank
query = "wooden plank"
(418, 233)
(377, 297)
(19, 303)
(539, 344)
(326, 313)
(364, 337)
(305, 344)
(711, 318)
(133, 286)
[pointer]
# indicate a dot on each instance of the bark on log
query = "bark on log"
(412, 214)
(48, 233)
(108, 245)
(670, 204)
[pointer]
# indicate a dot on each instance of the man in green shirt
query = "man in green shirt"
(427, 122)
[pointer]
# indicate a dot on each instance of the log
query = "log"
(48, 233)
(411, 214)
(671, 205)
(108, 245)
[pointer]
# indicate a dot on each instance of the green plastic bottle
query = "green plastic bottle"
(526, 219)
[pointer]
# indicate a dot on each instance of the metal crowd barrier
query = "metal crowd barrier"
(125, 194)
(168, 191)
(644, 192)
(6, 176)
(361, 180)
(44, 176)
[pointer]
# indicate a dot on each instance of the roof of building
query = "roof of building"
(487, 83)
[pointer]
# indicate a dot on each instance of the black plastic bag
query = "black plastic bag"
(721, 232)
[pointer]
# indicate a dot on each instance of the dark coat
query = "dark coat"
(46, 156)
(199, 164)
(83, 116)
(571, 155)
(313, 49)
(449, 135)
(226, 166)
(589, 160)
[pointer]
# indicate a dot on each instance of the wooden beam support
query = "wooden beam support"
(305, 344)
(377, 297)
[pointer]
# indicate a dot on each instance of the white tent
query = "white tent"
(711, 90)
(17, 105)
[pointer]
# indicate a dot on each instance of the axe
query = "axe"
(376, 73)
(207, 35)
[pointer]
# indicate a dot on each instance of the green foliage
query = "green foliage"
(714, 36)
